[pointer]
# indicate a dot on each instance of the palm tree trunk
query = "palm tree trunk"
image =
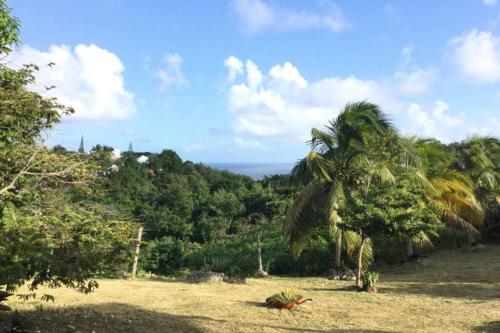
(338, 250)
(409, 248)
(360, 261)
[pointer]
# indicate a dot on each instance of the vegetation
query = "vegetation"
(370, 280)
(288, 298)
(364, 194)
(365, 181)
(51, 232)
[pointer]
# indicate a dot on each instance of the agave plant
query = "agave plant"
(288, 298)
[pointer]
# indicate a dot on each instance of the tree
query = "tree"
(47, 234)
(345, 158)
(479, 159)
(450, 190)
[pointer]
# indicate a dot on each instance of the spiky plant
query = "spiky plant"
(285, 299)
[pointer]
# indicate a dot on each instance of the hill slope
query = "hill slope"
(452, 291)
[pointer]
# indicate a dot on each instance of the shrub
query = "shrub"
(370, 280)
(162, 256)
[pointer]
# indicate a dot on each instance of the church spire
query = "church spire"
(82, 148)
(130, 148)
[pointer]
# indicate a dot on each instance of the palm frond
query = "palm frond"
(309, 211)
(320, 167)
(352, 243)
(453, 219)
(300, 172)
(322, 140)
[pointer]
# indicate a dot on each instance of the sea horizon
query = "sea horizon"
(254, 170)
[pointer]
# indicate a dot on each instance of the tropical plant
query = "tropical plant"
(370, 280)
(286, 299)
(345, 158)
(450, 190)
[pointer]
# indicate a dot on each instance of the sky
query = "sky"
(246, 80)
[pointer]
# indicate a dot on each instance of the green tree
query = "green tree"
(345, 158)
(47, 235)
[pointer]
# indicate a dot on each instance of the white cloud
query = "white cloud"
(477, 55)
(171, 74)
(416, 81)
(248, 143)
(234, 66)
(490, 2)
(435, 123)
(411, 79)
(407, 53)
(282, 106)
(259, 15)
(87, 78)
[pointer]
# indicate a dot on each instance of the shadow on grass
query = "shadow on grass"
(117, 317)
(474, 291)
(349, 288)
(490, 327)
(256, 304)
(108, 317)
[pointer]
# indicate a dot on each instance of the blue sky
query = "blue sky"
(245, 80)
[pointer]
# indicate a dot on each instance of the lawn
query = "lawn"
(452, 291)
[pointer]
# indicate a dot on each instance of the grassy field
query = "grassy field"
(453, 291)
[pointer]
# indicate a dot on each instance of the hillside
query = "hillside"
(442, 295)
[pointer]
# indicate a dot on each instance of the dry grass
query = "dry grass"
(454, 291)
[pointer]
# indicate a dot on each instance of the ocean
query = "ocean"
(255, 170)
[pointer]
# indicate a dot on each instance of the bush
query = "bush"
(370, 279)
(163, 256)
(238, 256)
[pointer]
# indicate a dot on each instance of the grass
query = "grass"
(453, 291)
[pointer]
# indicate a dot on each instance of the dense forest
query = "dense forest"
(364, 193)
(196, 217)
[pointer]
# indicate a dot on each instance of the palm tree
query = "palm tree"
(472, 158)
(429, 164)
(342, 159)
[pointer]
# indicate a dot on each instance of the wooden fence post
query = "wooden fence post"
(136, 254)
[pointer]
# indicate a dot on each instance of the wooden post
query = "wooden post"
(259, 254)
(136, 254)
(260, 272)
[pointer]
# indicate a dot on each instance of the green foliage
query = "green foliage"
(162, 256)
(370, 278)
(287, 296)
(9, 29)
(51, 231)
(239, 255)
(392, 209)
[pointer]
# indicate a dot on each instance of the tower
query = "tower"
(81, 149)
(130, 148)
